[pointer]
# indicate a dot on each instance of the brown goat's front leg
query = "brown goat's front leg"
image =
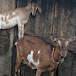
(38, 72)
(52, 73)
(18, 62)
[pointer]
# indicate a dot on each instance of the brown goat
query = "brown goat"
(18, 16)
(38, 54)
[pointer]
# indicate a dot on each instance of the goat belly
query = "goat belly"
(12, 22)
(9, 24)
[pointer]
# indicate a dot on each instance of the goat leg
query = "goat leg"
(22, 29)
(51, 73)
(17, 65)
(38, 72)
(19, 32)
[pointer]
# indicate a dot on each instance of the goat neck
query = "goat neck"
(29, 10)
(56, 56)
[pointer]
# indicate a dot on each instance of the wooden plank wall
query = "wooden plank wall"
(68, 28)
(58, 18)
(5, 60)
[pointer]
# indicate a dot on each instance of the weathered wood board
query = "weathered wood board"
(5, 59)
(58, 17)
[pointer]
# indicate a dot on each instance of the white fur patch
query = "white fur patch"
(66, 43)
(59, 42)
(11, 23)
(39, 52)
(13, 13)
(7, 17)
(30, 59)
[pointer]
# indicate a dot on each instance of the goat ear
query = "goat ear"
(72, 39)
(69, 39)
(39, 9)
(28, 6)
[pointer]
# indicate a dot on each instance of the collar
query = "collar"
(53, 56)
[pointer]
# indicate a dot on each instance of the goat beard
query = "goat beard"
(62, 60)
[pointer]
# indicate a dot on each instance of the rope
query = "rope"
(53, 56)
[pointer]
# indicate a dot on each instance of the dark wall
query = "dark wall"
(58, 18)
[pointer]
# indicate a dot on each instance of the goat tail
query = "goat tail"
(15, 43)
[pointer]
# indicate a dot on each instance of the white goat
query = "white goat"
(18, 16)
